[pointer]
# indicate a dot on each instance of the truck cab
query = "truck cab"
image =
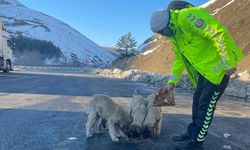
(6, 49)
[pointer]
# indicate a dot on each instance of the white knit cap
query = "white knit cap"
(159, 20)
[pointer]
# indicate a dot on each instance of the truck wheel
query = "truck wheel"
(8, 67)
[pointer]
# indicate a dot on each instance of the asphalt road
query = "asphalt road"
(46, 111)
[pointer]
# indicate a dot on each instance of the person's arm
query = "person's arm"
(201, 23)
(176, 73)
(177, 69)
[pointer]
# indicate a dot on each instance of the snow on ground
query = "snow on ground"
(219, 9)
(142, 47)
(145, 45)
(208, 3)
(239, 85)
(150, 51)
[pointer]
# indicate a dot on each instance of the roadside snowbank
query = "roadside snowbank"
(239, 85)
(135, 75)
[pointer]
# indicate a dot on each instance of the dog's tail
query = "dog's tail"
(90, 109)
(91, 105)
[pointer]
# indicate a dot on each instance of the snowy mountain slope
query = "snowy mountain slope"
(20, 20)
(114, 51)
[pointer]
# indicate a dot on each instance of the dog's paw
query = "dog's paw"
(115, 139)
(88, 135)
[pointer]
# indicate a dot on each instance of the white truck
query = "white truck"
(6, 49)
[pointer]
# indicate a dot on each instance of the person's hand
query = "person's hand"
(165, 96)
(231, 71)
(169, 87)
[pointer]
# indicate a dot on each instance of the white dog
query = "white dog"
(138, 111)
(153, 120)
(118, 120)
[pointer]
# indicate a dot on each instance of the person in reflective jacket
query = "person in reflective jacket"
(204, 48)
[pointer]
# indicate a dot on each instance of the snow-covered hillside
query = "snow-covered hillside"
(20, 20)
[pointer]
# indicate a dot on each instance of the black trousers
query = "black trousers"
(204, 103)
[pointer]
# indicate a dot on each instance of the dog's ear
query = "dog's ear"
(135, 93)
(156, 89)
(156, 93)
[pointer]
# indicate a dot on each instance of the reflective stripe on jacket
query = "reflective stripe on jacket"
(201, 44)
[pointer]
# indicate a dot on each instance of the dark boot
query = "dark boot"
(185, 136)
(188, 145)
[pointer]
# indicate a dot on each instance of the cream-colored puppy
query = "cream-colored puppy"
(138, 111)
(118, 120)
(153, 120)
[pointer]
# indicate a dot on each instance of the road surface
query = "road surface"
(47, 111)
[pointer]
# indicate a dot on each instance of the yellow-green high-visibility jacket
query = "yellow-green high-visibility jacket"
(201, 45)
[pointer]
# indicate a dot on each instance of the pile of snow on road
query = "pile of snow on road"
(239, 85)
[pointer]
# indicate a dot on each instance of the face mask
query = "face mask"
(166, 32)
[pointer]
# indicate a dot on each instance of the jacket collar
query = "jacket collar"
(173, 19)
(173, 22)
